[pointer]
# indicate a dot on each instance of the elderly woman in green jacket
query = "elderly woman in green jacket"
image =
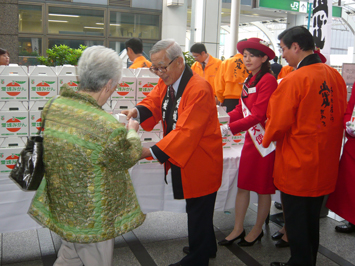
(87, 196)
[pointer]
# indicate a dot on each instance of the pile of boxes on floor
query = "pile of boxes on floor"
(24, 92)
(230, 141)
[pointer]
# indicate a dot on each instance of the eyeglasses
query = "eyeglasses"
(161, 69)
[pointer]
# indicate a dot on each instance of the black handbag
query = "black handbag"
(29, 168)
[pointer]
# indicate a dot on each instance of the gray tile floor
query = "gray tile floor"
(160, 239)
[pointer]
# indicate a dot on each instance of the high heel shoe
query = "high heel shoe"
(244, 243)
(226, 242)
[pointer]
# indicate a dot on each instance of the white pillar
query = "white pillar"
(234, 25)
(206, 23)
(295, 20)
(174, 23)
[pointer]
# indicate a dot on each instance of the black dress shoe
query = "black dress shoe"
(278, 264)
(277, 236)
(345, 228)
(176, 264)
(282, 244)
(226, 242)
(278, 205)
(244, 243)
(186, 250)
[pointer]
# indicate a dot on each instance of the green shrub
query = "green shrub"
(189, 59)
(60, 55)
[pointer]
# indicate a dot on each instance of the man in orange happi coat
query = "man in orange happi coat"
(284, 71)
(229, 81)
(191, 146)
(206, 65)
(134, 47)
(305, 117)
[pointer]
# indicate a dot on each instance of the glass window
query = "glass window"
(134, 25)
(64, 20)
(73, 43)
(29, 50)
(30, 18)
(120, 46)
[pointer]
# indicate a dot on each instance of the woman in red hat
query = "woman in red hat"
(256, 162)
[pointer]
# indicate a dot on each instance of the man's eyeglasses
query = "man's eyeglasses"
(161, 69)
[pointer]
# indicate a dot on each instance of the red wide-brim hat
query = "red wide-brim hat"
(258, 44)
(321, 56)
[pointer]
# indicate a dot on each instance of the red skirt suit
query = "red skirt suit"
(255, 171)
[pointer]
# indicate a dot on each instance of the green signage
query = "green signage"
(294, 6)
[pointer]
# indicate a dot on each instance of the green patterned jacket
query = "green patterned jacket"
(87, 195)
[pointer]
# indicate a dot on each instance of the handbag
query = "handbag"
(28, 171)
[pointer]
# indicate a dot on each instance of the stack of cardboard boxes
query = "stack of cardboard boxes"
(24, 92)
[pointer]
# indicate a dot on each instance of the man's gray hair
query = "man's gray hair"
(97, 66)
(171, 47)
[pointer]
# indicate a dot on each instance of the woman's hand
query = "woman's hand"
(132, 124)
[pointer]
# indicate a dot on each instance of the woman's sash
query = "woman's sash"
(257, 133)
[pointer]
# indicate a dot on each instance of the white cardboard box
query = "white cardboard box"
(14, 119)
(67, 74)
(146, 81)
(227, 141)
(10, 150)
(157, 129)
(148, 140)
(126, 89)
(35, 116)
(238, 139)
(13, 83)
(223, 117)
(118, 106)
(43, 83)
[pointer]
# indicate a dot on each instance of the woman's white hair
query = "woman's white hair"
(97, 66)
(171, 47)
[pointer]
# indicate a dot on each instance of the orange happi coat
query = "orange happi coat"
(230, 77)
(284, 71)
(305, 118)
(210, 70)
(140, 62)
(195, 145)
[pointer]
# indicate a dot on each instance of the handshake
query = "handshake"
(129, 123)
(126, 117)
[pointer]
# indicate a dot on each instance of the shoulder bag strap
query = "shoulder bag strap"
(44, 119)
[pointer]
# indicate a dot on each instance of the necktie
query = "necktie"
(203, 65)
(171, 93)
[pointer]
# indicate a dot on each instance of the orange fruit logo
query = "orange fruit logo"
(42, 93)
(13, 85)
(147, 86)
(9, 122)
(12, 159)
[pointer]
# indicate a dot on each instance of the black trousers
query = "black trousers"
(202, 240)
(302, 226)
(230, 104)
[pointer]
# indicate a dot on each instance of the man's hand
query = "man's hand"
(349, 129)
(130, 113)
(145, 153)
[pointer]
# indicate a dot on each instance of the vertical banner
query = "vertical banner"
(321, 25)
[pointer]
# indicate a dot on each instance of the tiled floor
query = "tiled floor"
(159, 241)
